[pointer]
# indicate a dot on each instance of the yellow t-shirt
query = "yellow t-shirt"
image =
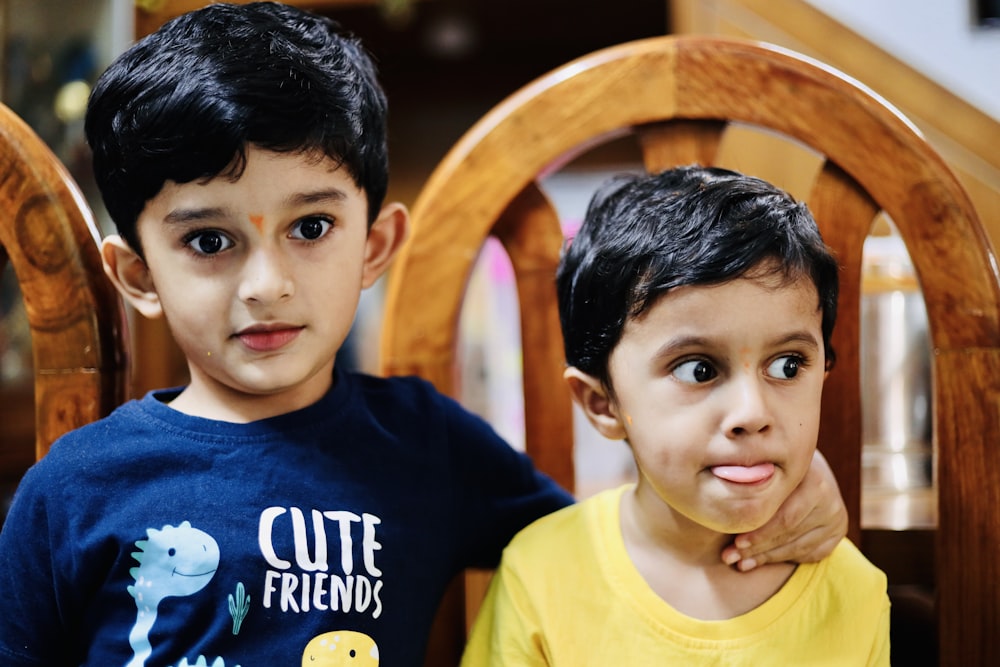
(567, 594)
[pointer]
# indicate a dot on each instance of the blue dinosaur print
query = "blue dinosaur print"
(173, 561)
(202, 662)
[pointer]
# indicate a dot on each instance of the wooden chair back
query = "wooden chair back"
(678, 99)
(77, 322)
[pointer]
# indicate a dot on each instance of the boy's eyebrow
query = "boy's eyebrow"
(180, 215)
(317, 196)
(327, 195)
(680, 343)
(799, 337)
(675, 345)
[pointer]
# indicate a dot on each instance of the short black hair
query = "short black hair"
(645, 234)
(185, 103)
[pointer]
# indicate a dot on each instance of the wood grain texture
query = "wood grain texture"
(530, 232)
(966, 136)
(677, 95)
(76, 319)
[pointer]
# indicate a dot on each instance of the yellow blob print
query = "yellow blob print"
(340, 649)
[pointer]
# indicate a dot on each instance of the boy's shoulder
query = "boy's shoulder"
(119, 420)
(395, 398)
(405, 389)
(847, 563)
(845, 579)
(361, 399)
(592, 520)
(357, 403)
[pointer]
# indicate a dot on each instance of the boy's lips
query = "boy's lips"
(268, 338)
(738, 474)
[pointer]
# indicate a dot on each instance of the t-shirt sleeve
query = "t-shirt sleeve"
(506, 631)
(500, 491)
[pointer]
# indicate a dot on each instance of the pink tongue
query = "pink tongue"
(744, 474)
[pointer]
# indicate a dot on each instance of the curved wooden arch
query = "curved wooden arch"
(660, 79)
(76, 319)
(677, 94)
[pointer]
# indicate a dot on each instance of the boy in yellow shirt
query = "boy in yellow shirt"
(697, 307)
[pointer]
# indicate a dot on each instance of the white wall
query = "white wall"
(940, 38)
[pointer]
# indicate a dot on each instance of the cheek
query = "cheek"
(654, 410)
(666, 440)
(197, 304)
(804, 412)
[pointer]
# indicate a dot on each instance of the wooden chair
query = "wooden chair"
(679, 99)
(77, 321)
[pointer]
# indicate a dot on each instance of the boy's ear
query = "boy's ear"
(385, 237)
(130, 276)
(600, 409)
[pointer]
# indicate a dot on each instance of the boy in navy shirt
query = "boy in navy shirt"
(276, 509)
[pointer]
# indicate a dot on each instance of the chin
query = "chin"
(748, 517)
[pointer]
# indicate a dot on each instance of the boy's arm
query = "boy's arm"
(30, 628)
(501, 489)
(806, 528)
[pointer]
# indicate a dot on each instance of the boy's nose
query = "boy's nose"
(747, 410)
(266, 278)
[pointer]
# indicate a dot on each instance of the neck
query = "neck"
(208, 398)
(650, 524)
(681, 562)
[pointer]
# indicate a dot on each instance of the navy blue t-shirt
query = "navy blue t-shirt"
(155, 538)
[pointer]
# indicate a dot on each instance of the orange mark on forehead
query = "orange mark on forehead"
(258, 221)
(744, 353)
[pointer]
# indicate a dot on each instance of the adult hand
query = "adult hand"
(806, 528)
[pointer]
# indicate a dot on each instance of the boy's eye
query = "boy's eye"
(310, 229)
(209, 242)
(785, 368)
(695, 371)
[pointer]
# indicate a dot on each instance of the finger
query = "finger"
(785, 527)
(801, 542)
(811, 547)
(810, 540)
(789, 551)
(747, 551)
(731, 555)
(806, 527)
(806, 510)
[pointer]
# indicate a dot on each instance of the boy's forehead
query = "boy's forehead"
(280, 167)
(797, 287)
(769, 273)
(311, 158)
(264, 180)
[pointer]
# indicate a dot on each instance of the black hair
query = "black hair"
(185, 103)
(646, 234)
